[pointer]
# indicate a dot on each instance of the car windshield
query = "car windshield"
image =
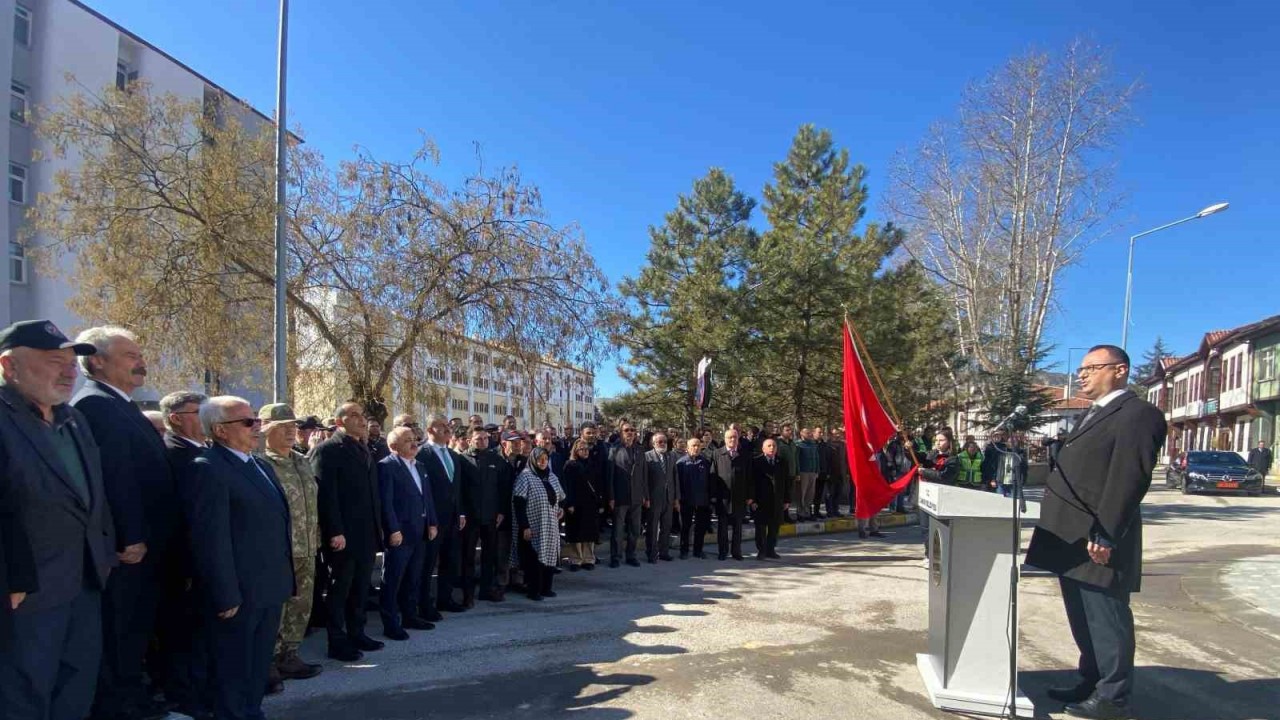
(1214, 458)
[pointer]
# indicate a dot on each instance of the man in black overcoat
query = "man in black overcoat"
(772, 476)
(350, 529)
(1090, 530)
(449, 489)
(732, 491)
(143, 497)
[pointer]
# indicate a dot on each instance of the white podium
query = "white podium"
(969, 547)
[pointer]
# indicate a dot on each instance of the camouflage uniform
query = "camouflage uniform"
(299, 485)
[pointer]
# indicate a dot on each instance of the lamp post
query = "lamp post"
(1071, 372)
(280, 384)
(1128, 287)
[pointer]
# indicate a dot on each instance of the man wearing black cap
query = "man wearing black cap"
(142, 495)
(51, 487)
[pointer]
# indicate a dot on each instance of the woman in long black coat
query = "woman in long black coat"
(583, 507)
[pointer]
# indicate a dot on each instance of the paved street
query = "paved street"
(831, 630)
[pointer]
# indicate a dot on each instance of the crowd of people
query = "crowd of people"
(176, 559)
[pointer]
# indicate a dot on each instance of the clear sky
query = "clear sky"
(615, 107)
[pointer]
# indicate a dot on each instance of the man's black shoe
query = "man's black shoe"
(345, 653)
(614, 563)
(1098, 708)
(737, 557)
(452, 607)
(396, 634)
(760, 556)
(667, 558)
(876, 533)
(432, 616)
(588, 566)
(862, 534)
(419, 624)
(367, 644)
(633, 562)
(700, 555)
(774, 556)
(1076, 694)
(572, 568)
(722, 556)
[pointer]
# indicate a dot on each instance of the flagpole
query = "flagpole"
(861, 347)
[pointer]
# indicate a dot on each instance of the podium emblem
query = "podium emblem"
(935, 557)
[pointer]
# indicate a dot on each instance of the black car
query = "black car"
(1213, 471)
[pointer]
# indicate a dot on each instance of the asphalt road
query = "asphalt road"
(831, 630)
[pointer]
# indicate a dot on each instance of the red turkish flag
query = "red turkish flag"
(866, 430)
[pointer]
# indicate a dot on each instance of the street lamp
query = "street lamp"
(1071, 372)
(280, 380)
(1128, 287)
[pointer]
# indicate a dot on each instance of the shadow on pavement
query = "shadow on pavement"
(1172, 693)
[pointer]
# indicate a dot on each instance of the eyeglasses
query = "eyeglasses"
(246, 422)
(1090, 369)
(185, 412)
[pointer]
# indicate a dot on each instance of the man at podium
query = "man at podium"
(1090, 530)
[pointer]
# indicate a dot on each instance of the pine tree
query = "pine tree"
(1150, 361)
(689, 301)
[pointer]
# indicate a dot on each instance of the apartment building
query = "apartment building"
(1226, 394)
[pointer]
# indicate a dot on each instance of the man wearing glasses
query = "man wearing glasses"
(1090, 530)
(627, 492)
(240, 525)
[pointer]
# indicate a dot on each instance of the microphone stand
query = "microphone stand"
(1019, 507)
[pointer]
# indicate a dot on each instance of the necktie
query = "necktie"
(1093, 410)
(446, 460)
(265, 478)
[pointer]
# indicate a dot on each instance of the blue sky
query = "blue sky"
(615, 107)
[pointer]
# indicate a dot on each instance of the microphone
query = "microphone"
(1018, 412)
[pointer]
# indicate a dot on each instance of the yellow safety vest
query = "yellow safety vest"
(970, 469)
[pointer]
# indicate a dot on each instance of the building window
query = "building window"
(18, 103)
(17, 183)
(481, 407)
(22, 26)
(1266, 365)
(436, 374)
(482, 384)
(17, 263)
(517, 412)
(124, 75)
(458, 404)
(458, 378)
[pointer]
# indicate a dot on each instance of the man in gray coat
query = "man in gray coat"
(626, 489)
(664, 496)
(51, 485)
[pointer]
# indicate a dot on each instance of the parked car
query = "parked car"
(1213, 471)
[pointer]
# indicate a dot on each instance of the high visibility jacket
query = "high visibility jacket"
(970, 469)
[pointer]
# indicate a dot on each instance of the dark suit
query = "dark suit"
(444, 554)
(408, 511)
(140, 490)
(489, 483)
(182, 663)
(1102, 472)
(49, 665)
(243, 553)
(626, 486)
(349, 506)
(773, 493)
(732, 487)
(664, 491)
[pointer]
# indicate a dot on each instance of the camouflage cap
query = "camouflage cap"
(274, 413)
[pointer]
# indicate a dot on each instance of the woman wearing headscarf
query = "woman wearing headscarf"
(582, 523)
(537, 529)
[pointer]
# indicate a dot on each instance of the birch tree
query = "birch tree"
(998, 202)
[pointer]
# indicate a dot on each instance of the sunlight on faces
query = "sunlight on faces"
(693, 446)
(235, 433)
(352, 420)
(770, 447)
(282, 435)
(480, 439)
(731, 439)
(44, 377)
(122, 365)
(186, 421)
